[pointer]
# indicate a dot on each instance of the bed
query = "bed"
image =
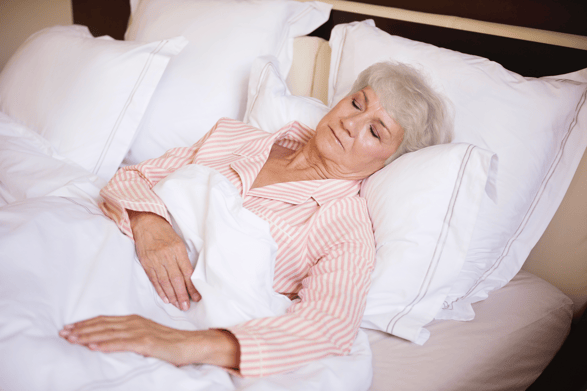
(480, 257)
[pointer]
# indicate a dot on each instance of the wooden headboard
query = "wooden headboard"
(110, 17)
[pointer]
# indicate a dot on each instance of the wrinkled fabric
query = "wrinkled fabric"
(231, 248)
(63, 261)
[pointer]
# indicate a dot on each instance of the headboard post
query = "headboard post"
(103, 17)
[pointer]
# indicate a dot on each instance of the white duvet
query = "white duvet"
(62, 260)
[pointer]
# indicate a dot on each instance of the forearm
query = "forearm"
(213, 346)
(131, 187)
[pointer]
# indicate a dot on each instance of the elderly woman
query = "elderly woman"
(305, 183)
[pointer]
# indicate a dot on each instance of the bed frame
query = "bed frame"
(520, 47)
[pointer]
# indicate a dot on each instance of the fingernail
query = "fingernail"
(166, 300)
(68, 326)
(93, 346)
(64, 333)
(176, 304)
(185, 306)
(72, 338)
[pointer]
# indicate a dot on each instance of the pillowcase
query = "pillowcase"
(30, 167)
(423, 207)
(85, 95)
(209, 79)
(271, 105)
(537, 127)
(565, 239)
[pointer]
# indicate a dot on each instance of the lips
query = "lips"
(336, 137)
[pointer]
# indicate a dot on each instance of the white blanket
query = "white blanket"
(62, 260)
(231, 248)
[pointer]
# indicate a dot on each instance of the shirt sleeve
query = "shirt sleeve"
(131, 187)
(325, 319)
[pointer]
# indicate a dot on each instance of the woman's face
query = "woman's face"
(357, 136)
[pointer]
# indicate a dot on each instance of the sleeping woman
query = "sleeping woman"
(305, 183)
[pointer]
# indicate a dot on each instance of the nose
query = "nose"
(352, 124)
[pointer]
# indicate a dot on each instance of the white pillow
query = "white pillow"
(85, 95)
(423, 207)
(537, 127)
(271, 105)
(208, 80)
(30, 167)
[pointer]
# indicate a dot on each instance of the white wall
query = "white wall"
(20, 18)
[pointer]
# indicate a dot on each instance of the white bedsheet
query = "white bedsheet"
(62, 260)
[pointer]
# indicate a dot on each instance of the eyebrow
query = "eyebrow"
(380, 121)
(365, 95)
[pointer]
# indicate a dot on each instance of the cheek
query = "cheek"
(322, 126)
(322, 122)
(374, 149)
(379, 158)
(373, 154)
(383, 152)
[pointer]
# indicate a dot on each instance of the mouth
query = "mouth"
(336, 137)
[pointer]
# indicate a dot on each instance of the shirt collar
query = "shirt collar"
(293, 131)
(299, 192)
(321, 191)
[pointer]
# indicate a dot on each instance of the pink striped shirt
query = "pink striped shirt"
(325, 241)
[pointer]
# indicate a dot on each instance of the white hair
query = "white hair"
(411, 102)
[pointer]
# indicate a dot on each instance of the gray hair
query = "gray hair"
(411, 102)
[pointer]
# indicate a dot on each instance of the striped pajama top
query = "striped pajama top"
(326, 248)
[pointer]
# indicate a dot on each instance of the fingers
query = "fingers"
(171, 286)
(106, 334)
(155, 281)
(187, 270)
(194, 294)
(174, 286)
(135, 334)
(115, 345)
(93, 330)
(177, 282)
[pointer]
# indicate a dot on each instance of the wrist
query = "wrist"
(139, 219)
(138, 216)
(215, 347)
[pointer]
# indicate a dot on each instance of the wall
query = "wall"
(20, 18)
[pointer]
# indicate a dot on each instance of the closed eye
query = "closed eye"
(355, 105)
(374, 133)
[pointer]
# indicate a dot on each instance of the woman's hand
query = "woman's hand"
(164, 257)
(136, 334)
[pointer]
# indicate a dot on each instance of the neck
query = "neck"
(308, 162)
(304, 164)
